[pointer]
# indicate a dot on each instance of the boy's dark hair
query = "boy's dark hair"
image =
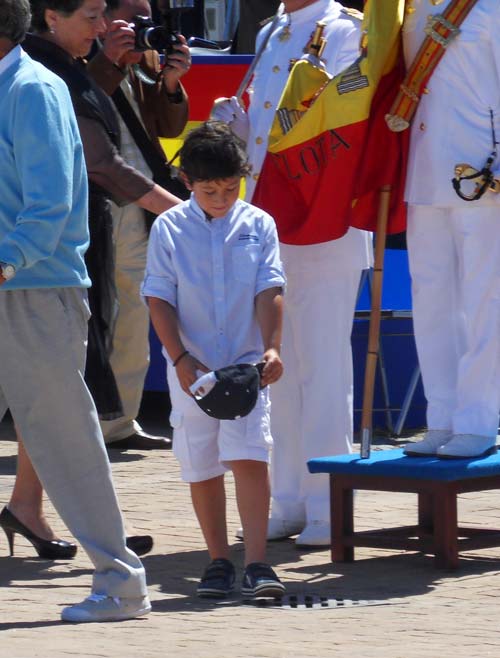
(212, 152)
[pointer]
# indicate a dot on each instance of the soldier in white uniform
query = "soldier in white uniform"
(454, 245)
(311, 411)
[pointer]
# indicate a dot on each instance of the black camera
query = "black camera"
(149, 36)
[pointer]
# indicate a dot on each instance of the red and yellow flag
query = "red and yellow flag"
(329, 149)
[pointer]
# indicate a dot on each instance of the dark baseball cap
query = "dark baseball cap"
(230, 392)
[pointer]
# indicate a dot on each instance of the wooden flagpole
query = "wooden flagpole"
(375, 314)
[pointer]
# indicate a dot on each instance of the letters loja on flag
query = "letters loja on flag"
(330, 150)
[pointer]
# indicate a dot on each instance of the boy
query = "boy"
(214, 288)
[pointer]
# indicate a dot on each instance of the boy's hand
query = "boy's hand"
(273, 368)
(186, 372)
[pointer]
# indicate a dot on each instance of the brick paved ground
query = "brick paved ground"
(425, 612)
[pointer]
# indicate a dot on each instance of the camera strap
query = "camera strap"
(155, 162)
(160, 168)
(441, 30)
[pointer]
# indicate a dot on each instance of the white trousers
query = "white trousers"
(205, 446)
(42, 351)
(312, 404)
(454, 259)
(130, 356)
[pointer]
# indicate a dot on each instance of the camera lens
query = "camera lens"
(149, 36)
(158, 38)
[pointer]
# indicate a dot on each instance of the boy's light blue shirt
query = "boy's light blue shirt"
(43, 184)
(211, 271)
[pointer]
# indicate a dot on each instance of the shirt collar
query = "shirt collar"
(9, 59)
(201, 214)
(198, 212)
(311, 12)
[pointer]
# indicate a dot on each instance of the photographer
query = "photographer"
(150, 103)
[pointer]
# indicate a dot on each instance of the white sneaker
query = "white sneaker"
(278, 529)
(283, 528)
(467, 445)
(100, 607)
(429, 445)
(316, 533)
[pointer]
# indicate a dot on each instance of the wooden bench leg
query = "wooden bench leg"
(445, 526)
(425, 514)
(342, 520)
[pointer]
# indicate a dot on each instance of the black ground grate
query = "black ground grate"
(311, 602)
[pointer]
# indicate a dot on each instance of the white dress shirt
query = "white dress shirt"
(342, 48)
(452, 124)
(211, 271)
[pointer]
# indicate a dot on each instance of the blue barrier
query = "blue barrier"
(397, 340)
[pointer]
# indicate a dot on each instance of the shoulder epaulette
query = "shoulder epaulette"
(353, 13)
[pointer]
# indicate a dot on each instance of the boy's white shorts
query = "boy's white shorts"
(204, 445)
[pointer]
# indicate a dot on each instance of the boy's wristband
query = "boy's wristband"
(181, 356)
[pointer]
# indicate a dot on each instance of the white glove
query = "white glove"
(230, 111)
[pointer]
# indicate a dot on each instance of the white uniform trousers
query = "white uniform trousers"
(42, 351)
(312, 404)
(130, 356)
(455, 268)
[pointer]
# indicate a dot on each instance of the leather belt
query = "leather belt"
(441, 29)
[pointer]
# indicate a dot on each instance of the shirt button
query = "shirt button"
(276, 69)
(267, 104)
(422, 126)
(259, 140)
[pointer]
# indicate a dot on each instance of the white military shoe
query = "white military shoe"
(429, 445)
(467, 445)
(279, 529)
(316, 533)
(100, 607)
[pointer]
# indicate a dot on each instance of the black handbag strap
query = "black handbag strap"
(155, 162)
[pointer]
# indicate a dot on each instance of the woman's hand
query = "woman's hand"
(119, 41)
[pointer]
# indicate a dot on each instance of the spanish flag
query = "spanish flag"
(329, 148)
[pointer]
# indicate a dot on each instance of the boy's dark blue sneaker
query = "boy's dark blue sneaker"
(259, 580)
(217, 581)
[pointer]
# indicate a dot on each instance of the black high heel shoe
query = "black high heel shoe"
(56, 549)
(140, 544)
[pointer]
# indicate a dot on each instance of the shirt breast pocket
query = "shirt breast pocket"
(245, 262)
